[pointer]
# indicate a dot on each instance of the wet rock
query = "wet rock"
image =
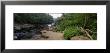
(26, 31)
(18, 35)
(44, 36)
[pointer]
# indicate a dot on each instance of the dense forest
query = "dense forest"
(76, 24)
(33, 18)
(69, 25)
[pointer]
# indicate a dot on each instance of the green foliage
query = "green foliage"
(70, 32)
(94, 36)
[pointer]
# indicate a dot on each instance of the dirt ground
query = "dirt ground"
(53, 35)
(48, 35)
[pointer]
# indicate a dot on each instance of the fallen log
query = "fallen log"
(90, 31)
(82, 29)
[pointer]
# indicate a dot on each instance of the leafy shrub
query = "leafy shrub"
(71, 31)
